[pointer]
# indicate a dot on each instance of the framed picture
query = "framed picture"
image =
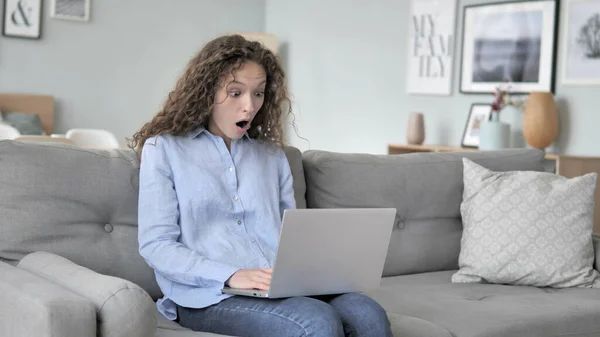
(431, 47)
(78, 10)
(479, 113)
(509, 41)
(22, 18)
(581, 43)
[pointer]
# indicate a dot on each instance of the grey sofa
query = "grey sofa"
(69, 264)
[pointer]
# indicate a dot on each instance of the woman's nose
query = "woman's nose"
(250, 105)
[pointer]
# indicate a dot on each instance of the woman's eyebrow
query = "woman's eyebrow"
(238, 82)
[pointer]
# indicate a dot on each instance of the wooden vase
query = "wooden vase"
(540, 120)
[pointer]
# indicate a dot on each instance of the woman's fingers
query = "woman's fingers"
(260, 286)
(251, 279)
(265, 273)
(261, 278)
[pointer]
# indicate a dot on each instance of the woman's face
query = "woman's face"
(237, 101)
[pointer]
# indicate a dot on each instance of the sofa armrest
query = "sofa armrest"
(33, 306)
(123, 309)
(596, 241)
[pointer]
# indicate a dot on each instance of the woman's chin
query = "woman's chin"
(237, 135)
(239, 132)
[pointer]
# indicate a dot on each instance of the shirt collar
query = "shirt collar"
(196, 133)
(200, 130)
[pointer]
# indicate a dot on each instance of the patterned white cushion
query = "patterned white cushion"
(527, 228)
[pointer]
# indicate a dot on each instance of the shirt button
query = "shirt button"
(235, 198)
(253, 241)
(231, 169)
(239, 222)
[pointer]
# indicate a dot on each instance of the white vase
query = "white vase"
(514, 117)
(494, 135)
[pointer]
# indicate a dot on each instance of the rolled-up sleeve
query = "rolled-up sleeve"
(158, 224)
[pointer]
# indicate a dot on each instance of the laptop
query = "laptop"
(328, 251)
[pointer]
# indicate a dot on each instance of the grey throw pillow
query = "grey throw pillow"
(527, 228)
(27, 124)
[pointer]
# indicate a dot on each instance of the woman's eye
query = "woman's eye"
(235, 93)
(259, 94)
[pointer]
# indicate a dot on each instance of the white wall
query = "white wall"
(346, 61)
(115, 71)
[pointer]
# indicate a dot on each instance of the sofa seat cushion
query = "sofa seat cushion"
(429, 304)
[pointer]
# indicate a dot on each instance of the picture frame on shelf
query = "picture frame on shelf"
(478, 113)
(74, 10)
(430, 49)
(580, 47)
(512, 41)
(22, 19)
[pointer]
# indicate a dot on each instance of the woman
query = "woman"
(214, 182)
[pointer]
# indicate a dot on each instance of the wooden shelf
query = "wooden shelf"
(406, 148)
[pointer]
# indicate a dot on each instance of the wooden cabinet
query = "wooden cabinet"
(567, 166)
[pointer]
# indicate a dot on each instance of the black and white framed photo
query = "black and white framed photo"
(509, 41)
(479, 113)
(77, 10)
(430, 65)
(581, 43)
(22, 18)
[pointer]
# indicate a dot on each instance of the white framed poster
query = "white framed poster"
(22, 18)
(581, 43)
(77, 10)
(431, 47)
(511, 41)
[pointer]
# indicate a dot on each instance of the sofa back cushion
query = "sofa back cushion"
(294, 157)
(425, 188)
(80, 204)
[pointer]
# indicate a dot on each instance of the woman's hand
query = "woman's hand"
(250, 279)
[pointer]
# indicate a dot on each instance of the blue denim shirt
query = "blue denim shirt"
(205, 212)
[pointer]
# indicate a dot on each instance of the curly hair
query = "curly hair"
(189, 105)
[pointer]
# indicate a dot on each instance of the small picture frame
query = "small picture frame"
(479, 113)
(75, 10)
(512, 41)
(22, 19)
(580, 47)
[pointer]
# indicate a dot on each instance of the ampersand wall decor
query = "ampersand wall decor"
(22, 18)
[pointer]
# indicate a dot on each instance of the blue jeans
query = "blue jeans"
(322, 316)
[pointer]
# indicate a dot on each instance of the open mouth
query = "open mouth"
(242, 124)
